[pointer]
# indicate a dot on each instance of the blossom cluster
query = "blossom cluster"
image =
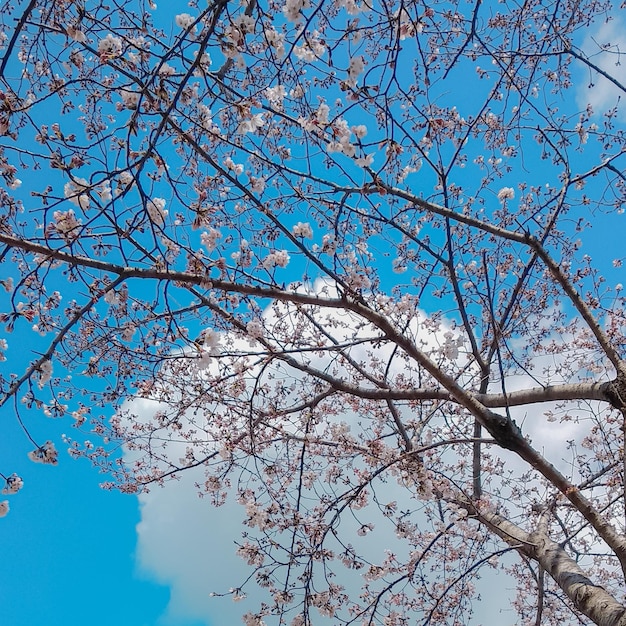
(13, 484)
(46, 454)
(278, 258)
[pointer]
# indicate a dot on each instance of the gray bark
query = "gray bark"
(590, 599)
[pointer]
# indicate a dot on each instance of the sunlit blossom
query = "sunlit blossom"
(506, 193)
(76, 34)
(276, 95)
(110, 46)
(210, 238)
(303, 230)
(237, 168)
(250, 124)
(359, 131)
(156, 211)
(184, 21)
(364, 161)
(278, 258)
(46, 454)
(77, 192)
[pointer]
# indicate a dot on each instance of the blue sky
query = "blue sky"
(68, 554)
(71, 553)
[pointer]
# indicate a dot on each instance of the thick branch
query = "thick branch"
(506, 432)
(591, 599)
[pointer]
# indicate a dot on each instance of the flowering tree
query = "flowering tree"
(330, 253)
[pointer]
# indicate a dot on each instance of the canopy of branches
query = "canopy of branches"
(323, 252)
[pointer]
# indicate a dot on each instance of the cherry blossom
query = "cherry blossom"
(209, 239)
(46, 454)
(337, 264)
(365, 161)
(254, 328)
(506, 193)
(77, 192)
(302, 230)
(184, 20)
(13, 484)
(278, 258)
(110, 46)
(250, 124)
(156, 211)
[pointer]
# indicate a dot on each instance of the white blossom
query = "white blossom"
(245, 23)
(76, 34)
(184, 21)
(66, 224)
(250, 124)
(156, 211)
(46, 454)
(366, 528)
(506, 193)
(77, 192)
(312, 49)
(365, 161)
(257, 184)
(348, 149)
(130, 99)
(276, 95)
(45, 373)
(252, 619)
(105, 191)
(112, 297)
(322, 113)
(293, 9)
(254, 328)
(166, 70)
(356, 67)
(128, 331)
(302, 230)
(235, 167)
(275, 40)
(278, 258)
(110, 46)
(209, 239)
(359, 131)
(4, 508)
(125, 179)
(252, 555)
(203, 64)
(210, 339)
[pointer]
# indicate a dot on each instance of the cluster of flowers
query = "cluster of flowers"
(13, 484)
(66, 224)
(342, 134)
(46, 454)
(45, 373)
(278, 258)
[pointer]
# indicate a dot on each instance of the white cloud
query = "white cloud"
(188, 544)
(605, 48)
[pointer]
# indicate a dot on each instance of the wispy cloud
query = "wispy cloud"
(605, 48)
